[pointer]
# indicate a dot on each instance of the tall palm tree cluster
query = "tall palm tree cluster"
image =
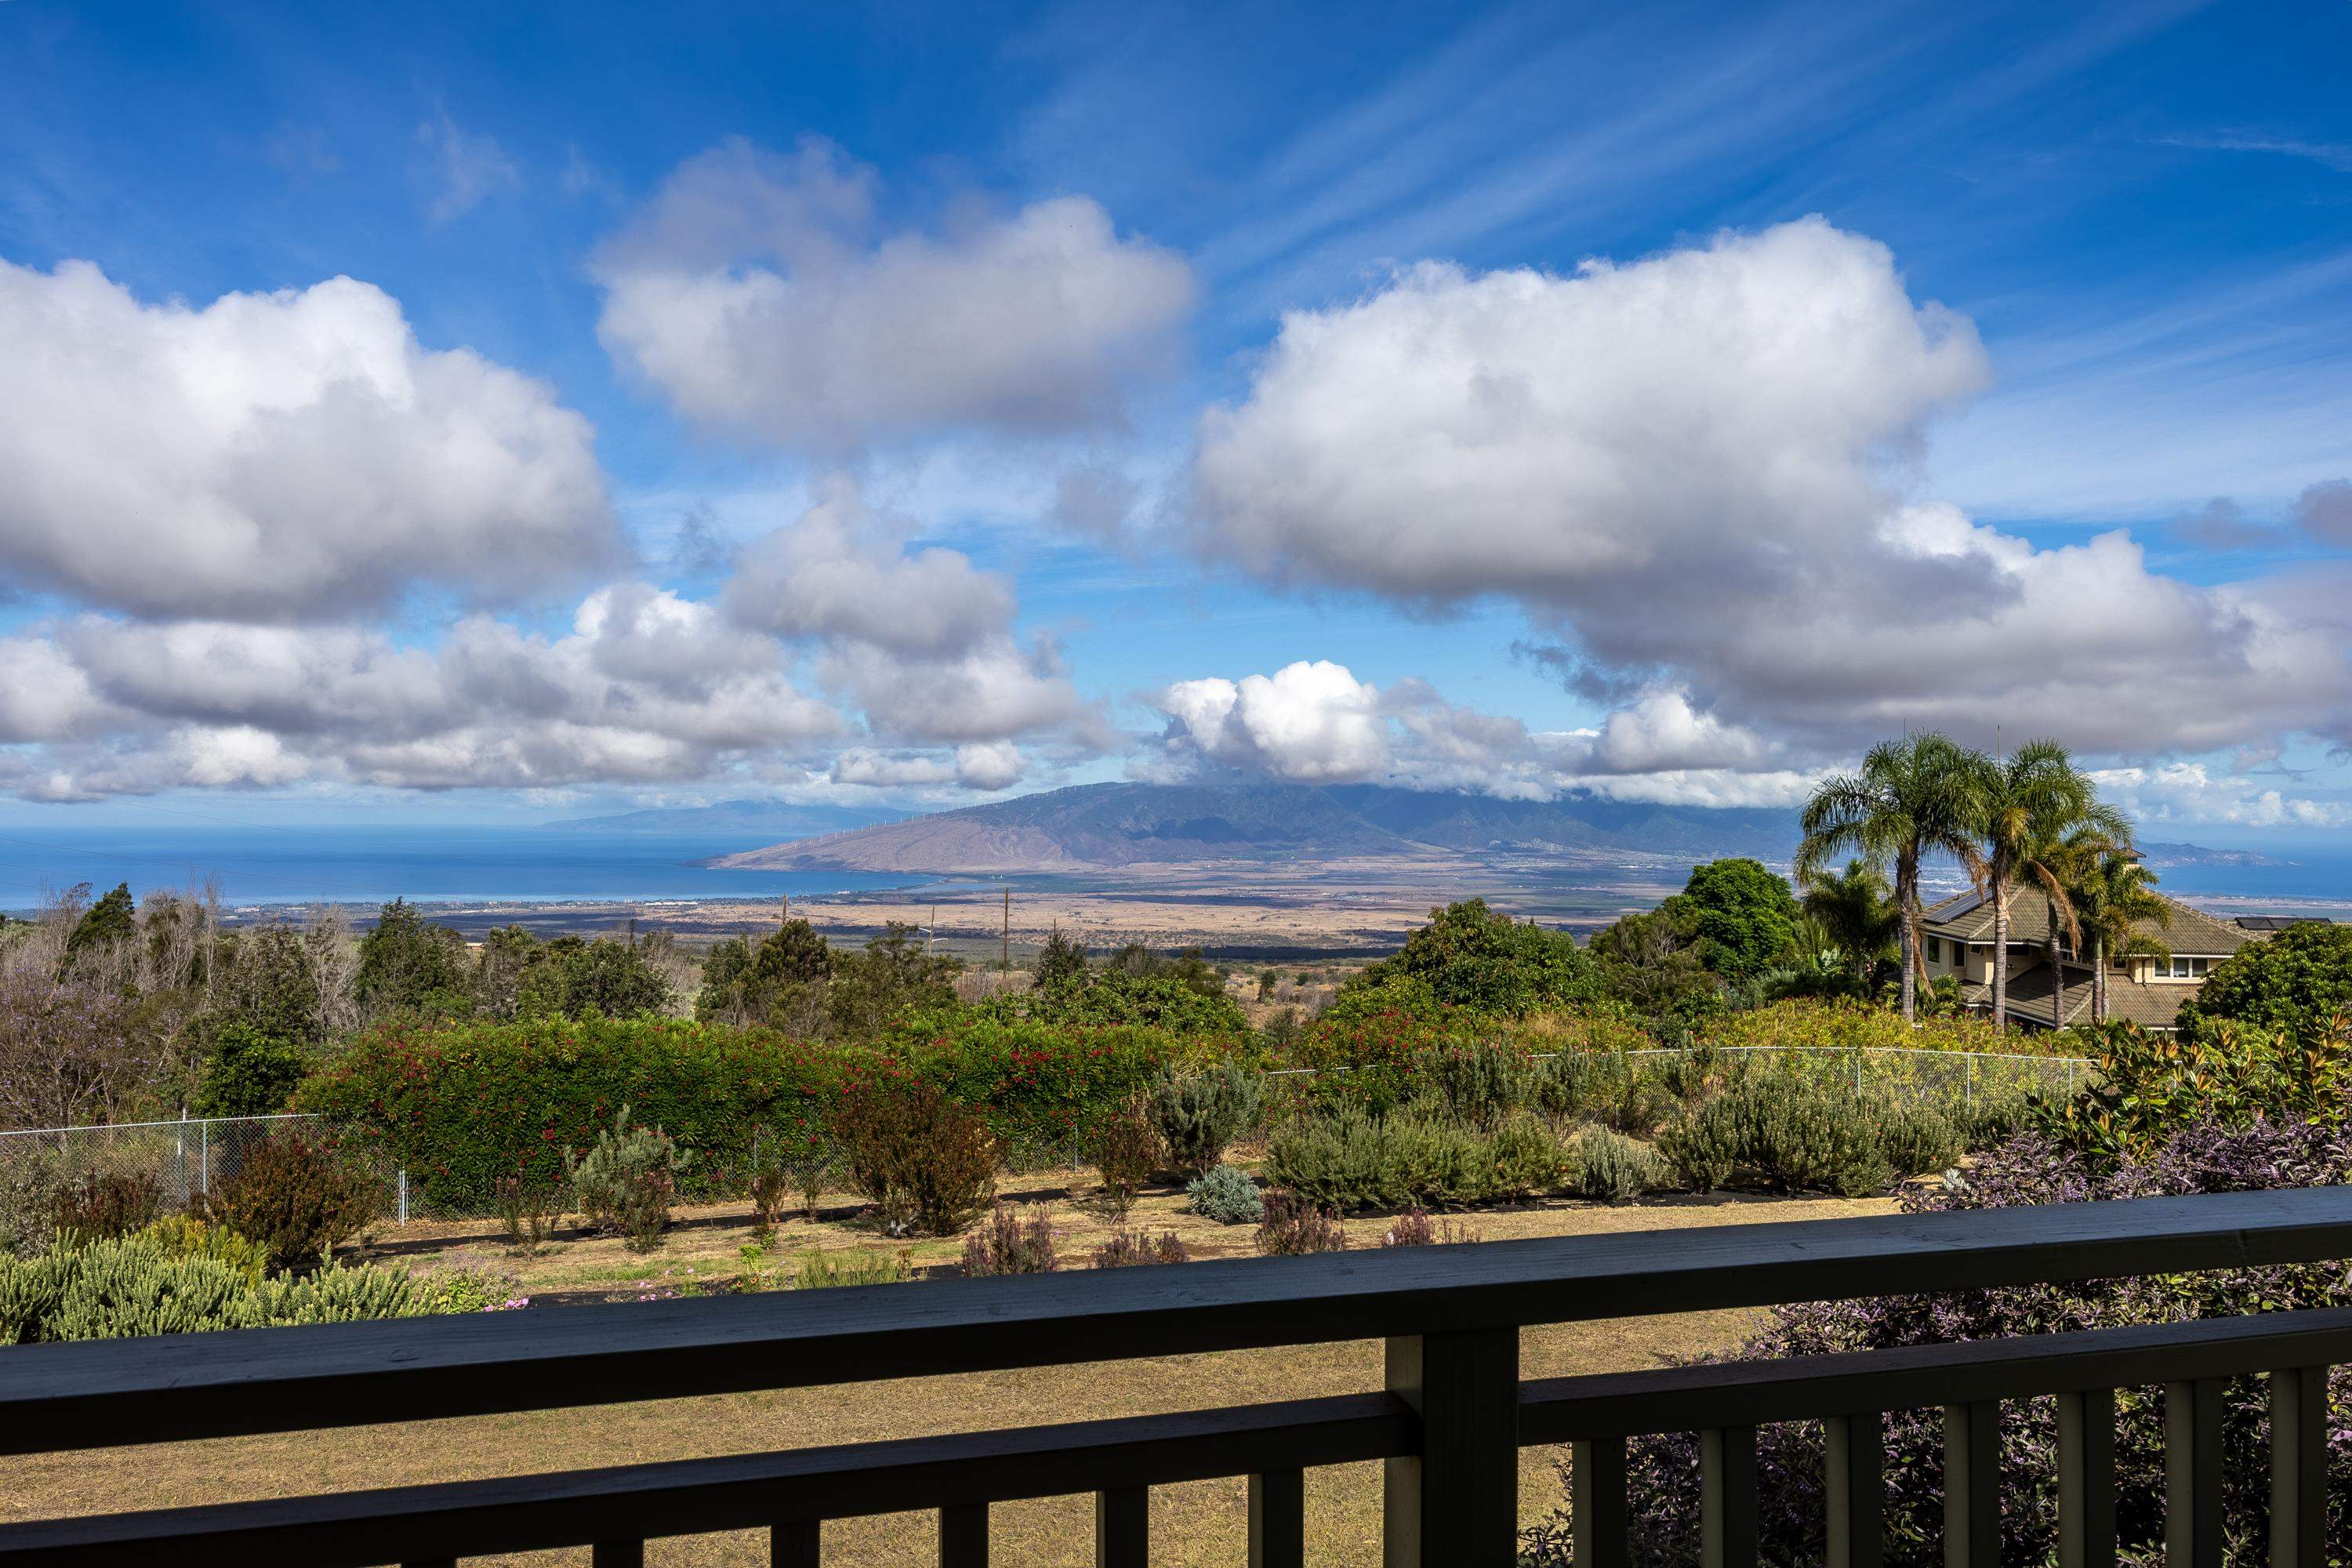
(2028, 824)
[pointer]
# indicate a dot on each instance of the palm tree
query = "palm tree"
(1855, 914)
(1911, 798)
(2029, 804)
(2113, 894)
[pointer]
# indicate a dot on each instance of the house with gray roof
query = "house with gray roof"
(2146, 990)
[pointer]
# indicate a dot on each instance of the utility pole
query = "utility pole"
(931, 932)
(633, 930)
(786, 918)
(1004, 959)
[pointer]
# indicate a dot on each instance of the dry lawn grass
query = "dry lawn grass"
(1198, 1523)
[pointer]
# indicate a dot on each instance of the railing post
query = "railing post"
(1972, 1485)
(2086, 1479)
(618, 1555)
(1456, 1501)
(796, 1543)
(1278, 1519)
(1857, 1491)
(1729, 1537)
(2192, 1474)
(2299, 1468)
(963, 1536)
(1123, 1528)
(1597, 1482)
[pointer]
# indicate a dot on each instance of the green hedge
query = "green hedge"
(462, 1106)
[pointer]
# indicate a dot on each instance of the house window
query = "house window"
(1935, 950)
(2189, 968)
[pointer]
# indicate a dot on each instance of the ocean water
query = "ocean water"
(369, 865)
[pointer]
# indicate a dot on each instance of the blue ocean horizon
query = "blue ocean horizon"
(425, 864)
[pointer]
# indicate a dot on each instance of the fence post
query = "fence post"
(1968, 1080)
(204, 1155)
(400, 1184)
(1457, 1501)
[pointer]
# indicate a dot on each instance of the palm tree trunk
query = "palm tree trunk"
(2057, 974)
(1907, 899)
(2000, 951)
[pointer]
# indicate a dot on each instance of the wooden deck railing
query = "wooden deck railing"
(1448, 1427)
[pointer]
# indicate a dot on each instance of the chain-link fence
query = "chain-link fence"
(188, 1159)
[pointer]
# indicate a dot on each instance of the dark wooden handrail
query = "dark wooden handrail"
(1448, 1428)
(746, 1491)
(102, 1393)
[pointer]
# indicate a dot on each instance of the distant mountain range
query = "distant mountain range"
(776, 819)
(2163, 856)
(1102, 826)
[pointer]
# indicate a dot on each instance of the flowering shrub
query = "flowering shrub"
(298, 1196)
(1127, 1150)
(1372, 1056)
(1003, 1244)
(109, 1204)
(1664, 1470)
(1293, 1226)
(1415, 1228)
(1126, 1250)
(928, 1163)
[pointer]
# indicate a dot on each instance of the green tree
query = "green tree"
(1650, 961)
(107, 925)
(407, 964)
(2298, 981)
(772, 983)
(894, 975)
(573, 978)
(1744, 916)
(2113, 894)
(268, 984)
(1911, 798)
(248, 1073)
(1473, 956)
(2029, 805)
(1856, 914)
(1063, 959)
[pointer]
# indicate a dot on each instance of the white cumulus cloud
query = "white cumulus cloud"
(276, 456)
(758, 292)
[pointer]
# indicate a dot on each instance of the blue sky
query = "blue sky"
(1205, 392)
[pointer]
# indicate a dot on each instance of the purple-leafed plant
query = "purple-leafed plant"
(1664, 1470)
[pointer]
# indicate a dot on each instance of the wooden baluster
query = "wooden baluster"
(1123, 1528)
(618, 1555)
(2086, 1479)
(1457, 1501)
(1278, 1519)
(1597, 1476)
(2192, 1474)
(1972, 1485)
(1727, 1476)
(796, 1543)
(2299, 1468)
(963, 1536)
(1857, 1491)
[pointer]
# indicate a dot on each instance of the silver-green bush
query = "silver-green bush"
(1227, 1195)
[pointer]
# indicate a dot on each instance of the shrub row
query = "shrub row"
(1352, 1159)
(1798, 1135)
(466, 1106)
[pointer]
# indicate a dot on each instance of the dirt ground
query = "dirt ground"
(1197, 1523)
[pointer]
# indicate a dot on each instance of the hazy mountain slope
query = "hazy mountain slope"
(1093, 826)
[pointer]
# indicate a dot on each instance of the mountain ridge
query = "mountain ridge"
(1106, 826)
